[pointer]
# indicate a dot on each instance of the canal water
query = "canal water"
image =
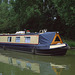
(18, 63)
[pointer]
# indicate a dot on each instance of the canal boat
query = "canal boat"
(43, 43)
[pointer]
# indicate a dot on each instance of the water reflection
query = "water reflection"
(11, 64)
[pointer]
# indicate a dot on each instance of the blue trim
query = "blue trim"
(17, 45)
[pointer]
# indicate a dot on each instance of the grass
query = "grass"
(71, 43)
(70, 52)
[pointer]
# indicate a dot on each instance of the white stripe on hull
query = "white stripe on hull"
(57, 46)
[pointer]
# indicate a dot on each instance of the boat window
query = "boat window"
(27, 39)
(9, 39)
(17, 39)
(57, 39)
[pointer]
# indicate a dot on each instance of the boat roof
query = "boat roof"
(20, 34)
(29, 33)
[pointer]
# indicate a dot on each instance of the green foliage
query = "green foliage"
(71, 43)
(66, 9)
(35, 13)
(26, 10)
(7, 18)
(3, 16)
(54, 15)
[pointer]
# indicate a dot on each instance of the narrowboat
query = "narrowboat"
(43, 43)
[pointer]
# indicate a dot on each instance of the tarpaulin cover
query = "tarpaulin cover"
(46, 38)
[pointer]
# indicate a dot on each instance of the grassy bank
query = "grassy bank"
(71, 43)
(70, 52)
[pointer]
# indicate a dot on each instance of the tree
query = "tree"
(7, 18)
(54, 15)
(66, 10)
(3, 16)
(35, 13)
(26, 10)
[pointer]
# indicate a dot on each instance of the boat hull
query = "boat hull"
(53, 52)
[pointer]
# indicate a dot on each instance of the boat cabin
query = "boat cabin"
(24, 39)
(36, 38)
